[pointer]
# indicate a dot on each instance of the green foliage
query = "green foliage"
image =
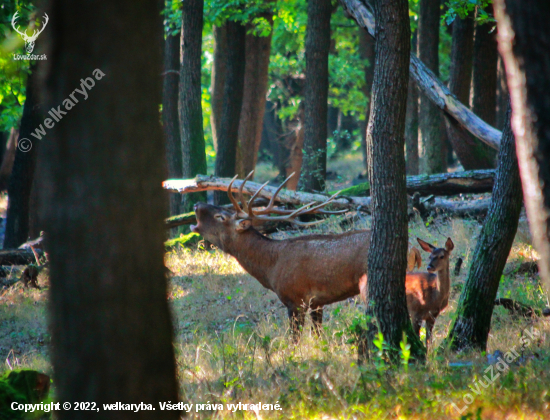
(464, 8)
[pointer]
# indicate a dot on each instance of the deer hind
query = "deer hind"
(428, 292)
(29, 40)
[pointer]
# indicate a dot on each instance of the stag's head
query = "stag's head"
(439, 257)
(29, 39)
(224, 226)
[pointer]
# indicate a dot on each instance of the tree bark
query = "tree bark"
(471, 152)
(429, 115)
(294, 143)
(111, 329)
(219, 68)
(257, 49)
(22, 174)
(8, 159)
(484, 74)
(314, 167)
(429, 84)
(524, 40)
(366, 51)
(387, 259)
(170, 114)
(503, 96)
(475, 308)
(190, 94)
(226, 154)
(411, 129)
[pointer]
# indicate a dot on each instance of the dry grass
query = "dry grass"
(232, 345)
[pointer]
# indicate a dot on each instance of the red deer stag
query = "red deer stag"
(305, 272)
(428, 293)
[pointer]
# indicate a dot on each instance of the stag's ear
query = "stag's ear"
(425, 245)
(449, 246)
(242, 225)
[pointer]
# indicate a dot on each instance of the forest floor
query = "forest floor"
(232, 345)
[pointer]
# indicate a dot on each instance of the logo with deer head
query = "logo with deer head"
(29, 39)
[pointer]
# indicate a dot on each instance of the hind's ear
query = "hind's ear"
(242, 225)
(425, 245)
(449, 246)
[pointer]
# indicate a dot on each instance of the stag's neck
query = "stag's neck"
(257, 254)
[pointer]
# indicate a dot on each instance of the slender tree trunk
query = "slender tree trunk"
(8, 158)
(471, 152)
(484, 77)
(111, 330)
(258, 49)
(475, 308)
(314, 167)
(524, 40)
(295, 144)
(503, 96)
(366, 50)
(385, 144)
(218, 80)
(22, 175)
(226, 155)
(429, 114)
(411, 122)
(170, 115)
(273, 137)
(190, 107)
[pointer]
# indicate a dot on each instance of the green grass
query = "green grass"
(232, 345)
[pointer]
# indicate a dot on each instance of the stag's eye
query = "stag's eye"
(220, 217)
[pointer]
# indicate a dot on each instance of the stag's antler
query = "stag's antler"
(286, 215)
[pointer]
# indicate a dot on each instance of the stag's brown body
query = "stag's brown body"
(305, 272)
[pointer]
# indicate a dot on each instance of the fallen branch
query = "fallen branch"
(429, 83)
(18, 256)
(466, 182)
(517, 308)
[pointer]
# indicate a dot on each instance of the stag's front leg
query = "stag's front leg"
(429, 328)
(317, 318)
(297, 317)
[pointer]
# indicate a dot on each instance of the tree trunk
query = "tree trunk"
(366, 51)
(387, 259)
(429, 114)
(294, 143)
(22, 175)
(190, 94)
(272, 137)
(232, 104)
(503, 96)
(8, 158)
(429, 84)
(314, 168)
(524, 37)
(170, 114)
(475, 308)
(411, 129)
(219, 67)
(471, 152)
(258, 49)
(111, 329)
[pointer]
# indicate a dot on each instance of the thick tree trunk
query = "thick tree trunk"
(111, 330)
(258, 49)
(22, 175)
(475, 308)
(429, 84)
(366, 50)
(429, 120)
(217, 83)
(226, 155)
(170, 114)
(190, 106)
(471, 152)
(387, 259)
(314, 168)
(524, 42)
